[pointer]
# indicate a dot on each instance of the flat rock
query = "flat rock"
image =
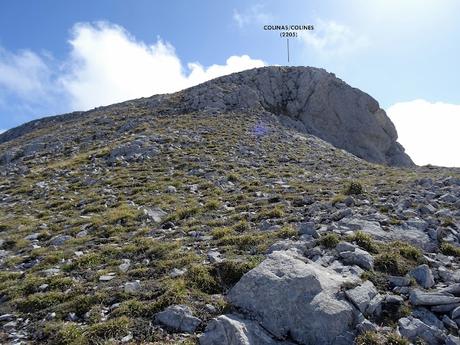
(407, 234)
(308, 228)
(418, 297)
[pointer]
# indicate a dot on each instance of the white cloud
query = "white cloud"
(333, 39)
(24, 73)
(105, 65)
(428, 131)
(252, 15)
(108, 65)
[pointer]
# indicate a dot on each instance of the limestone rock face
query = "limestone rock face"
(296, 299)
(313, 101)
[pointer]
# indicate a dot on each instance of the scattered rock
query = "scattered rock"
(171, 189)
(345, 247)
(178, 318)
(399, 281)
(308, 228)
(358, 257)
(132, 287)
(423, 276)
(106, 278)
(362, 295)
(176, 272)
(456, 313)
(341, 214)
(414, 329)
(59, 240)
(125, 265)
(155, 213)
(214, 256)
(418, 297)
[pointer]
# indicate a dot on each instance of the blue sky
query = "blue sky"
(59, 56)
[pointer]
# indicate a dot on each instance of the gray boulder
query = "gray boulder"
(234, 330)
(362, 295)
(290, 297)
(178, 318)
(456, 313)
(418, 297)
(346, 212)
(308, 228)
(132, 287)
(454, 289)
(423, 276)
(414, 329)
(59, 240)
(373, 228)
(155, 213)
(345, 247)
(399, 281)
(358, 257)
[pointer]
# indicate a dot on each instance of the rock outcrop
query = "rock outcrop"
(311, 100)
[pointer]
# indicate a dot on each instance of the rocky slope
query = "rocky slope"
(215, 216)
(307, 99)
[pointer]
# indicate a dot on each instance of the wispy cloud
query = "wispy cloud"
(106, 64)
(428, 131)
(24, 73)
(333, 39)
(255, 14)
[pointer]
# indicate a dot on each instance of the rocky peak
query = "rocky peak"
(310, 100)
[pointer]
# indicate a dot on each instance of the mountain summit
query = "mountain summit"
(310, 100)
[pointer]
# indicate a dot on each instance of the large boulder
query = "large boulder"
(293, 298)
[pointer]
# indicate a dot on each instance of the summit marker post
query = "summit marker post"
(287, 41)
(288, 31)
